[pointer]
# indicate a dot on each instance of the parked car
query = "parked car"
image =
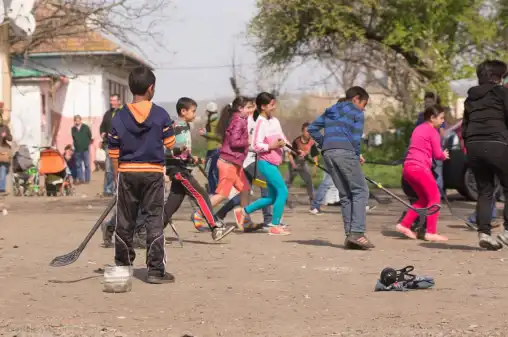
(456, 173)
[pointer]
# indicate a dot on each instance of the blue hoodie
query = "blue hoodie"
(343, 128)
(139, 133)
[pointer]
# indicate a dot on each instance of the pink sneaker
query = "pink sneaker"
(239, 217)
(277, 230)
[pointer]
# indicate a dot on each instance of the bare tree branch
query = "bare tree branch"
(125, 22)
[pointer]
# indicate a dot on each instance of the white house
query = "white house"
(67, 77)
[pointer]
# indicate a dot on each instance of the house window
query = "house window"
(117, 88)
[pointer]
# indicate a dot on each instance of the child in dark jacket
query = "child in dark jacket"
(233, 130)
(179, 165)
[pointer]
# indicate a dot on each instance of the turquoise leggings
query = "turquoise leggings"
(277, 192)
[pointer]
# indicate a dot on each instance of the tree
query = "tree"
(127, 21)
(414, 42)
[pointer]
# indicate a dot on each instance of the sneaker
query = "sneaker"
(240, 217)
(471, 225)
(252, 227)
(277, 230)
(315, 211)
(503, 237)
(199, 222)
(219, 232)
(487, 242)
(369, 208)
(156, 277)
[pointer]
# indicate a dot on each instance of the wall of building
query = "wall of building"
(86, 94)
(26, 116)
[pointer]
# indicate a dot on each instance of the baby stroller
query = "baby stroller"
(57, 179)
(25, 176)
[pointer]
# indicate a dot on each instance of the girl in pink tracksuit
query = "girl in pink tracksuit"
(425, 145)
(232, 128)
(268, 141)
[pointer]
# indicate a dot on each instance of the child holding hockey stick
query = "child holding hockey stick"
(179, 170)
(268, 141)
(343, 125)
(232, 128)
(425, 145)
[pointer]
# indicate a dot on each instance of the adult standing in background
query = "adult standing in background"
(105, 128)
(82, 138)
(5, 154)
(213, 143)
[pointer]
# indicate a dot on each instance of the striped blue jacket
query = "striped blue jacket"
(343, 128)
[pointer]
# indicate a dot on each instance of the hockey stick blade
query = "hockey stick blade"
(69, 258)
(176, 233)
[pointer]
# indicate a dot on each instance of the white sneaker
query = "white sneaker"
(315, 211)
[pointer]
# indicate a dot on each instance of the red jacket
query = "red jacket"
(235, 144)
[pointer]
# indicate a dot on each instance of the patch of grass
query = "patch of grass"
(388, 176)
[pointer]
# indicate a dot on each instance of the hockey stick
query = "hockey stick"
(176, 233)
(71, 257)
(421, 211)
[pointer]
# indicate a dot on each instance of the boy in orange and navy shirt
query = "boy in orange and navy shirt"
(139, 133)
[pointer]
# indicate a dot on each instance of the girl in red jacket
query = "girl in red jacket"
(233, 130)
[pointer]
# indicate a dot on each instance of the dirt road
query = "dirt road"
(304, 284)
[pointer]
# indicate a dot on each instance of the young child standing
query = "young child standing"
(268, 141)
(424, 146)
(341, 146)
(212, 145)
(232, 128)
(136, 147)
(179, 163)
(298, 165)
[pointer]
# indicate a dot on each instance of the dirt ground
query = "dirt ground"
(304, 284)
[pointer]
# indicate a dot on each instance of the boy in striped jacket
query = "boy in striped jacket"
(343, 125)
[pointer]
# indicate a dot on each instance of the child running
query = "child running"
(424, 146)
(179, 167)
(136, 144)
(268, 141)
(232, 128)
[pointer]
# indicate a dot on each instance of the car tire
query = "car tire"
(469, 189)
(469, 185)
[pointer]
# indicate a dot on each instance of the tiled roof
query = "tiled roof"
(80, 42)
(69, 38)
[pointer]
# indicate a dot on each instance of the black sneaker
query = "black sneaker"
(156, 277)
(221, 232)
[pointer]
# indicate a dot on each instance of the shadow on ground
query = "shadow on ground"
(316, 242)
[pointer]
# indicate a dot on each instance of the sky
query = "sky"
(202, 38)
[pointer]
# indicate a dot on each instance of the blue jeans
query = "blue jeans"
(4, 170)
(277, 192)
(83, 164)
(319, 197)
(211, 169)
(439, 172)
(472, 217)
(109, 185)
(347, 175)
(235, 201)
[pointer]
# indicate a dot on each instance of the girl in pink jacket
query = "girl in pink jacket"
(268, 142)
(232, 128)
(425, 145)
